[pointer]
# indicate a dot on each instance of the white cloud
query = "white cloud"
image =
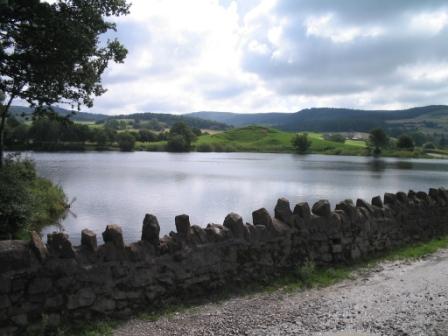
(430, 22)
(271, 55)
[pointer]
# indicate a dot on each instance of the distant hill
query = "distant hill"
(23, 111)
(165, 120)
(428, 119)
(169, 119)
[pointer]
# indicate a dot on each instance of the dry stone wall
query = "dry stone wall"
(60, 282)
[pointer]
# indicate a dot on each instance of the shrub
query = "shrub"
(301, 143)
(27, 201)
(405, 142)
(177, 143)
(337, 138)
(429, 145)
(204, 147)
(15, 200)
(126, 141)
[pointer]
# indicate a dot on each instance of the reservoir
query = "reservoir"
(119, 188)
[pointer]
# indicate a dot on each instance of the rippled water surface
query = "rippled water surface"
(120, 188)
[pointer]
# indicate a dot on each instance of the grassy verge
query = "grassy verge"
(27, 201)
(302, 278)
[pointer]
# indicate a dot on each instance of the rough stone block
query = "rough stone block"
(38, 246)
(5, 284)
(377, 201)
(262, 217)
(59, 245)
(114, 235)
(348, 208)
(14, 255)
(183, 225)
(20, 320)
(151, 230)
(390, 199)
(363, 204)
(235, 224)
(39, 285)
(282, 210)
(88, 240)
(322, 208)
(4, 302)
(402, 197)
(302, 210)
(83, 298)
(198, 235)
(216, 232)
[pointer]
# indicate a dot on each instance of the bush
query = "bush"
(301, 143)
(15, 200)
(126, 141)
(405, 142)
(337, 138)
(204, 147)
(177, 143)
(27, 202)
(429, 145)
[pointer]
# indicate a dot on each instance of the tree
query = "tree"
(180, 138)
(442, 142)
(145, 135)
(51, 53)
(405, 142)
(177, 143)
(301, 143)
(378, 139)
(126, 141)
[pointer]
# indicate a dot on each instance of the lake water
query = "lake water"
(119, 188)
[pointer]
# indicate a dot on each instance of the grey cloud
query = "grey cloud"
(317, 66)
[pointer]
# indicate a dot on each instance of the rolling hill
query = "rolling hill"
(166, 120)
(428, 119)
(23, 111)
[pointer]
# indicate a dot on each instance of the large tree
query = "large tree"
(378, 139)
(53, 52)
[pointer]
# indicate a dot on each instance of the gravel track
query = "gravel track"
(394, 298)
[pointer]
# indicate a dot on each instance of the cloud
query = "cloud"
(272, 55)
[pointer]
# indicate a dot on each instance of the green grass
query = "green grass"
(262, 139)
(156, 146)
(48, 204)
(302, 278)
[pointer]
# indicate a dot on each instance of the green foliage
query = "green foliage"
(378, 139)
(180, 138)
(177, 143)
(204, 147)
(429, 145)
(301, 143)
(405, 142)
(443, 141)
(126, 141)
(337, 138)
(269, 140)
(36, 33)
(64, 34)
(26, 201)
(145, 135)
(15, 199)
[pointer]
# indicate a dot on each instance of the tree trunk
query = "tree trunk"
(4, 115)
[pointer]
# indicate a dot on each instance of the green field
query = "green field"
(262, 139)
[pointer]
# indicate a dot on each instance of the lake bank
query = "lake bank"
(252, 139)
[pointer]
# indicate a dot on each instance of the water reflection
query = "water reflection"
(121, 187)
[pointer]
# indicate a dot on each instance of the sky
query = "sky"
(278, 56)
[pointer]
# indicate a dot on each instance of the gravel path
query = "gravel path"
(392, 299)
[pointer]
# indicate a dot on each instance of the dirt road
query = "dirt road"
(393, 299)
